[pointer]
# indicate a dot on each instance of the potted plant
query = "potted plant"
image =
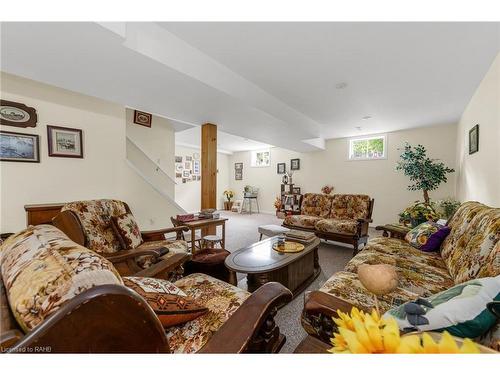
(229, 195)
(426, 174)
(445, 208)
(418, 213)
(277, 206)
(327, 189)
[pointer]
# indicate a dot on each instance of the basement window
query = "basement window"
(261, 158)
(368, 148)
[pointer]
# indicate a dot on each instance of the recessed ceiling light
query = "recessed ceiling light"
(341, 85)
(358, 128)
(366, 117)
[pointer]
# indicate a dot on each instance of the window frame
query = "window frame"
(253, 158)
(367, 138)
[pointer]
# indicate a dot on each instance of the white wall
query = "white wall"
(377, 178)
(188, 195)
(102, 173)
(478, 176)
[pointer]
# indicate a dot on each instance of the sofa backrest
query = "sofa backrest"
(350, 206)
(314, 204)
(42, 268)
(472, 248)
(95, 217)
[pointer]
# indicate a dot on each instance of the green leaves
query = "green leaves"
(425, 173)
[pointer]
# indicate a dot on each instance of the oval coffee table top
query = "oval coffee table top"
(260, 257)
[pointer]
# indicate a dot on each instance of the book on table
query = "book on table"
(299, 235)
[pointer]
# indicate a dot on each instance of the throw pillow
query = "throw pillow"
(127, 230)
(427, 236)
(460, 310)
(171, 304)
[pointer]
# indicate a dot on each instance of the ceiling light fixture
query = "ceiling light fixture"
(341, 85)
(358, 128)
(366, 117)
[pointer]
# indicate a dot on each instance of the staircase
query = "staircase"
(160, 180)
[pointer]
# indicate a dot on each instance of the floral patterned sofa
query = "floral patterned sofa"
(471, 250)
(59, 296)
(88, 224)
(341, 217)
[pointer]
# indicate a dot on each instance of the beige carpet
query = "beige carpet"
(241, 231)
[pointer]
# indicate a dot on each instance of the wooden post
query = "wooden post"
(209, 169)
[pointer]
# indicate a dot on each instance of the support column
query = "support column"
(209, 168)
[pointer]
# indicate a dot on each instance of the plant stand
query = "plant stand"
(228, 205)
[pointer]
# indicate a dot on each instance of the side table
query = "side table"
(393, 230)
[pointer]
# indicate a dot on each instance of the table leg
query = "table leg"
(224, 235)
(193, 242)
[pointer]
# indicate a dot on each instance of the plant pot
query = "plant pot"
(228, 205)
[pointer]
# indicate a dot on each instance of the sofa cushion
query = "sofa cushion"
(427, 236)
(461, 310)
(42, 269)
(350, 206)
(337, 226)
(221, 299)
(414, 274)
(126, 230)
(346, 286)
(95, 218)
(171, 305)
(471, 250)
(174, 247)
(316, 205)
(302, 221)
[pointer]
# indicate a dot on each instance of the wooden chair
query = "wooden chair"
(187, 237)
(145, 260)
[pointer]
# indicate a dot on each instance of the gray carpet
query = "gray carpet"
(241, 231)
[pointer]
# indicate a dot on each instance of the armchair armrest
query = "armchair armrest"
(362, 227)
(319, 302)
(103, 319)
(159, 234)
(164, 266)
(251, 328)
(362, 221)
(124, 255)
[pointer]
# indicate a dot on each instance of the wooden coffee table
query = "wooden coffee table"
(262, 264)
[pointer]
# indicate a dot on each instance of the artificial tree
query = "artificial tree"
(426, 174)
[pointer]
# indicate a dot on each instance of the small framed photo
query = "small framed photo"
(196, 167)
(186, 174)
(178, 175)
(178, 159)
(65, 142)
(187, 165)
(198, 178)
(189, 158)
(238, 174)
(19, 147)
(296, 190)
(294, 164)
(179, 167)
(184, 180)
(238, 166)
(474, 139)
(143, 118)
(281, 168)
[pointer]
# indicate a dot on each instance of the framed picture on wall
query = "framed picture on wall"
(178, 175)
(281, 168)
(186, 174)
(178, 159)
(294, 164)
(196, 167)
(238, 174)
(143, 118)
(474, 139)
(296, 190)
(17, 114)
(189, 158)
(238, 166)
(19, 147)
(179, 167)
(65, 142)
(187, 165)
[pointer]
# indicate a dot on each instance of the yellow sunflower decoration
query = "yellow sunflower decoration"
(360, 332)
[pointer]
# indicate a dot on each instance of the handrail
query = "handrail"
(158, 167)
(162, 193)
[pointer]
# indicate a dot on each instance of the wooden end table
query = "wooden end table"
(393, 230)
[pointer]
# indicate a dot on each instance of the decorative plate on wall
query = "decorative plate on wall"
(17, 114)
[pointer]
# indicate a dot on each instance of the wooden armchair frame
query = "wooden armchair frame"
(115, 319)
(125, 260)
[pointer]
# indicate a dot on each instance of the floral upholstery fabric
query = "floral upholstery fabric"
(95, 217)
(350, 206)
(221, 299)
(337, 226)
(316, 205)
(476, 252)
(418, 236)
(303, 221)
(346, 286)
(42, 269)
(127, 231)
(174, 247)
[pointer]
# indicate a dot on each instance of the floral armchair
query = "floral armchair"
(88, 223)
(58, 296)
